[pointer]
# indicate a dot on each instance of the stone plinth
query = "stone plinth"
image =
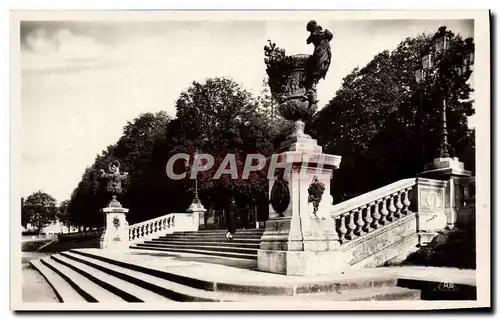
(116, 235)
(299, 239)
(449, 170)
(191, 219)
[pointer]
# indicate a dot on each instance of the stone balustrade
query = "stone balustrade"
(373, 210)
(148, 229)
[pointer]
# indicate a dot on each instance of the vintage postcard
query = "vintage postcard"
(250, 160)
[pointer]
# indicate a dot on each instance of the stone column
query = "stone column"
(300, 237)
(115, 236)
(448, 170)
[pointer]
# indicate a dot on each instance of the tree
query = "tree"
(220, 118)
(25, 217)
(386, 126)
(62, 213)
(40, 208)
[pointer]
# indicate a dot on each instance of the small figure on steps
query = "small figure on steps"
(231, 212)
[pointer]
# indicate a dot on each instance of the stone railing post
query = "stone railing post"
(429, 198)
(449, 170)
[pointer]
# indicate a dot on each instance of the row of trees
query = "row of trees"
(215, 117)
(380, 121)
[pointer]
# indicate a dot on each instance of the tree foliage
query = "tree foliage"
(386, 126)
(216, 117)
(39, 210)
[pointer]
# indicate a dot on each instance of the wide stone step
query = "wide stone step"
(210, 247)
(232, 280)
(198, 251)
(210, 237)
(91, 291)
(222, 231)
(127, 291)
(159, 288)
(228, 243)
(62, 288)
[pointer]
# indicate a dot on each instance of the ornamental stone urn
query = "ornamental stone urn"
(293, 78)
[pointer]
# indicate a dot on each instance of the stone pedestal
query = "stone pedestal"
(299, 239)
(190, 220)
(448, 170)
(116, 235)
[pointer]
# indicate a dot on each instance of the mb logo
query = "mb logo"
(446, 286)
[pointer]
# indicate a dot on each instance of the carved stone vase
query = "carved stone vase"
(289, 85)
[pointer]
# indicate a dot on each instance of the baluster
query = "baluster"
(142, 231)
(368, 218)
(359, 221)
(376, 214)
(342, 229)
(399, 204)
(392, 209)
(406, 201)
(173, 221)
(156, 226)
(351, 225)
(384, 212)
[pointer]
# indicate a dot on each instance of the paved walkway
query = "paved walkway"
(34, 286)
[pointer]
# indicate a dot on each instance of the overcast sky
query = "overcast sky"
(82, 81)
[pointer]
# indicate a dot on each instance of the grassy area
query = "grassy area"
(91, 241)
(35, 245)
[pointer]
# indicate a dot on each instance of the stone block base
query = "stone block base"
(114, 242)
(116, 236)
(300, 263)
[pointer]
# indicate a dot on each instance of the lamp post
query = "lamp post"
(433, 63)
(441, 71)
(195, 199)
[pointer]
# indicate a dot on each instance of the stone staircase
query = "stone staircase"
(244, 245)
(92, 275)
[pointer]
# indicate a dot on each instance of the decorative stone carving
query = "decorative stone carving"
(116, 234)
(116, 222)
(293, 79)
(280, 195)
(316, 190)
(431, 199)
(114, 184)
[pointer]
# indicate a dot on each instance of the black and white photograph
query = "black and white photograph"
(250, 160)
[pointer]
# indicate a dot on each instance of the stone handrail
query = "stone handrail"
(148, 229)
(371, 196)
(373, 210)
